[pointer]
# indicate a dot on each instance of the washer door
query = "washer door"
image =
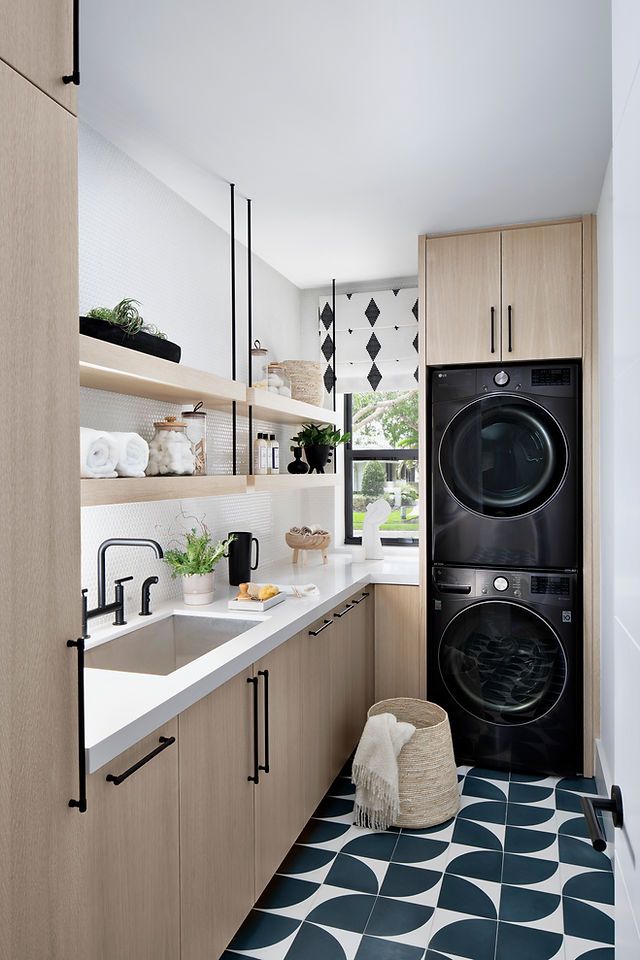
(503, 456)
(502, 663)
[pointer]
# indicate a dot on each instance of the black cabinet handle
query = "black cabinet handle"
(163, 743)
(613, 805)
(265, 675)
(360, 599)
(256, 761)
(315, 633)
(81, 802)
(342, 613)
(493, 330)
(74, 77)
(510, 327)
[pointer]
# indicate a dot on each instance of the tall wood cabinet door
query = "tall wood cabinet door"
(360, 664)
(134, 878)
(341, 701)
(317, 723)
(42, 839)
(399, 643)
(463, 299)
(36, 39)
(542, 292)
(280, 811)
(216, 818)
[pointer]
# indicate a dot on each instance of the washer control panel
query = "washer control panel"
(460, 584)
(493, 583)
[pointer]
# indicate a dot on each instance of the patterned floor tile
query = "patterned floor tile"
(533, 794)
(469, 896)
(577, 949)
(455, 935)
(313, 942)
(527, 943)
(482, 811)
(344, 911)
(413, 884)
(488, 774)
(484, 789)
(486, 836)
(374, 948)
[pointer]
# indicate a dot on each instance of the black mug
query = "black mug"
(239, 554)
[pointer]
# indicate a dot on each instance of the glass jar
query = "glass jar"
(279, 382)
(259, 366)
(170, 450)
(196, 421)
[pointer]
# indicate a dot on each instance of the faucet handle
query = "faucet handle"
(85, 591)
(122, 580)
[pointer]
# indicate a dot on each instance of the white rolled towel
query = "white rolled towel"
(98, 454)
(132, 454)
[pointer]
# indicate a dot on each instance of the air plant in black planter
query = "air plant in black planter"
(124, 326)
(318, 443)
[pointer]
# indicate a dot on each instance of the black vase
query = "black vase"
(239, 555)
(297, 465)
(318, 456)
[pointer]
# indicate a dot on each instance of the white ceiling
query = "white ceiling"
(355, 125)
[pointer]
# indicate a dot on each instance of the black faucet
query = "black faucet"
(145, 606)
(117, 606)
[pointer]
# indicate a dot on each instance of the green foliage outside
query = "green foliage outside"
(373, 479)
(385, 419)
(393, 522)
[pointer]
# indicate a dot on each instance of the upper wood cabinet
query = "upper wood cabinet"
(542, 292)
(463, 299)
(36, 39)
(504, 295)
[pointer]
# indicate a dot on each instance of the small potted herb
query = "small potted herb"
(318, 443)
(194, 562)
(124, 326)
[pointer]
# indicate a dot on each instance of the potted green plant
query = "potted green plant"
(318, 443)
(194, 561)
(123, 325)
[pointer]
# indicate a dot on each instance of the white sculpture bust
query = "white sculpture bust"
(377, 513)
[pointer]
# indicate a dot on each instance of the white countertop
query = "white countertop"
(122, 708)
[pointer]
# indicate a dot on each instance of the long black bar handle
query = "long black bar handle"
(81, 802)
(342, 613)
(612, 804)
(117, 779)
(265, 675)
(510, 327)
(315, 633)
(493, 329)
(249, 296)
(75, 76)
(360, 599)
(256, 760)
(234, 408)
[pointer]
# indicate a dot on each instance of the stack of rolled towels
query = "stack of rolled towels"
(105, 454)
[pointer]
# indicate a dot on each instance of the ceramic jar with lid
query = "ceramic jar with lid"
(196, 421)
(170, 450)
(259, 366)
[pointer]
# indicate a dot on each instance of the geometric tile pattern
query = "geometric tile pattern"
(512, 877)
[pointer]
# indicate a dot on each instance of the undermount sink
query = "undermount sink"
(165, 646)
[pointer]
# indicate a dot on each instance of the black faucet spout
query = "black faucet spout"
(120, 542)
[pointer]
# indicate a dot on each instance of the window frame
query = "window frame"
(351, 455)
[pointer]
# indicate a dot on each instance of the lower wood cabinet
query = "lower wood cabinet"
(317, 741)
(133, 901)
(400, 651)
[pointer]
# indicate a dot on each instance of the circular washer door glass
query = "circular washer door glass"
(503, 456)
(502, 663)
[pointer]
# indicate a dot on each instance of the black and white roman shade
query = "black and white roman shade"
(376, 338)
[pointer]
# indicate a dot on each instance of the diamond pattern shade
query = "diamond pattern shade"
(373, 347)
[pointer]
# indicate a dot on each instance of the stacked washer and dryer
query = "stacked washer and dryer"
(505, 637)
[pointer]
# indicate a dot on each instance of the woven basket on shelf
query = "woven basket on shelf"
(306, 380)
(426, 765)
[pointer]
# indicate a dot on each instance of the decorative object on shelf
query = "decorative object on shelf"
(318, 443)
(259, 366)
(301, 539)
(194, 562)
(273, 454)
(297, 465)
(133, 454)
(124, 326)
(170, 450)
(278, 380)
(239, 556)
(377, 513)
(98, 454)
(306, 380)
(196, 420)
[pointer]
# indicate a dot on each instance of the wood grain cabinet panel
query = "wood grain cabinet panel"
(134, 874)
(399, 641)
(36, 39)
(317, 751)
(542, 284)
(463, 299)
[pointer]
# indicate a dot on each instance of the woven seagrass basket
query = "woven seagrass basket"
(306, 380)
(426, 765)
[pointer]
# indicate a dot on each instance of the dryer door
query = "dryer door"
(503, 456)
(502, 663)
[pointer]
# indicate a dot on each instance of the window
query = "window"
(381, 462)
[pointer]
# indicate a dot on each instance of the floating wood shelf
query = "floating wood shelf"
(288, 481)
(106, 366)
(134, 490)
(277, 409)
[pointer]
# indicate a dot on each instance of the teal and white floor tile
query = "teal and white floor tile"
(513, 875)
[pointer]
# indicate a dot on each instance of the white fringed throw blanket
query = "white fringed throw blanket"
(375, 771)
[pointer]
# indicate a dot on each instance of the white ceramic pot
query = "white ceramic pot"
(197, 589)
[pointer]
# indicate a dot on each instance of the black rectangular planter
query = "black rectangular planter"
(142, 342)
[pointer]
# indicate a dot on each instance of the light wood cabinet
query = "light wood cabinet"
(340, 702)
(360, 662)
(542, 292)
(280, 808)
(504, 295)
(42, 840)
(399, 645)
(217, 857)
(317, 740)
(37, 41)
(134, 874)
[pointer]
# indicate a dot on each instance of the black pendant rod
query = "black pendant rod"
(234, 412)
(333, 336)
(249, 328)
